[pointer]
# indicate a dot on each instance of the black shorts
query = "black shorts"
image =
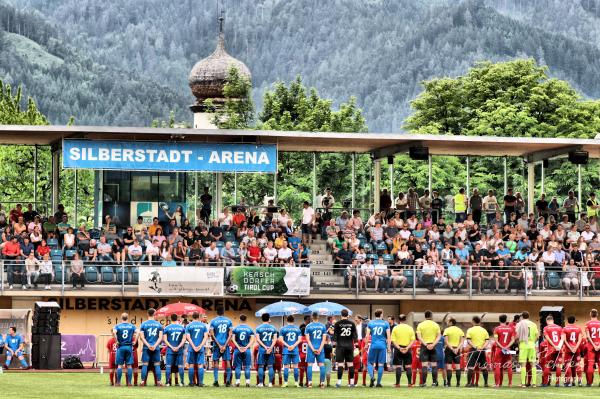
(476, 358)
(402, 359)
(344, 355)
(450, 357)
(428, 355)
(306, 229)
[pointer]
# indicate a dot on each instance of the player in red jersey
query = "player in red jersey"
(355, 362)
(112, 347)
(416, 363)
(136, 365)
(364, 350)
(228, 363)
(504, 338)
(571, 350)
(302, 366)
(553, 335)
(278, 350)
(592, 335)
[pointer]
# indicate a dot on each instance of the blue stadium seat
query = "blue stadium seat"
(388, 259)
(381, 247)
(220, 244)
(70, 253)
(122, 275)
(373, 257)
(229, 236)
(95, 234)
(135, 275)
(52, 243)
(235, 244)
(409, 277)
(58, 268)
(91, 274)
(107, 274)
(56, 254)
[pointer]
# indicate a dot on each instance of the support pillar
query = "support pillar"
(391, 167)
(542, 176)
(275, 187)
(314, 180)
(505, 175)
(196, 218)
(377, 182)
(468, 188)
(353, 180)
(429, 173)
(75, 198)
(235, 193)
(580, 207)
(35, 178)
(219, 193)
(530, 186)
(98, 197)
(55, 179)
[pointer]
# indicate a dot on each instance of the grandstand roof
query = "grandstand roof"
(380, 144)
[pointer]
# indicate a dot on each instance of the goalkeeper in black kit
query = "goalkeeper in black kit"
(345, 336)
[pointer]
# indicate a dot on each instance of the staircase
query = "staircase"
(322, 276)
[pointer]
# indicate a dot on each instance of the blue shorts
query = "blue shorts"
(17, 354)
(377, 355)
(216, 354)
(441, 357)
(242, 359)
(194, 357)
(290, 358)
(174, 359)
(311, 357)
(124, 356)
(264, 357)
(149, 356)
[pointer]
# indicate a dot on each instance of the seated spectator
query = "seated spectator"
(42, 249)
(31, 271)
(440, 274)
(517, 278)
(504, 254)
(301, 256)
(398, 279)
(404, 256)
(69, 239)
(168, 261)
(19, 226)
(49, 227)
(367, 273)
(139, 226)
(117, 249)
(180, 253)
(455, 276)
(153, 228)
(82, 237)
(253, 255)
(36, 236)
(428, 276)
(343, 257)
(189, 239)
(228, 255)
(243, 253)
(216, 231)
(104, 250)
(382, 280)
(238, 218)
(269, 254)
(284, 254)
(294, 240)
(77, 272)
(376, 233)
(196, 254)
(109, 228)
(571, 277)
(135, 253)
(175, 238)
(46, 272)
(159, 236)
(205, 239)
(164, 250)
(350, 275)
(462, 253)
(242, 231)
(212, 255)
(26, 247)
(502, 277)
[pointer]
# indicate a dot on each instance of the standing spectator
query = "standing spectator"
(77, 272)
(401, 205)
(476, 205)
(60, 212)
(490, 207)
(571, 205)
(436, 207)
(206, 210)
(541, 206)
(510, 204)
(385, 201)
(16, 213)
(327, 202)
(412, 202)
(425, 204)
(460, 206)
(30, 214)
(592, 206)
(308, 218)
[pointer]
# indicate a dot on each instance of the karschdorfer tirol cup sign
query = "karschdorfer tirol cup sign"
(293, 281)
(181, 281)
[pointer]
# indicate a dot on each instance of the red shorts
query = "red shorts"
(112, 362)
(416, 364)
(592, 356)
(552, 357)
(502, 359)
(570, 358)
(278, 363)
(356, 363)
(302, 363)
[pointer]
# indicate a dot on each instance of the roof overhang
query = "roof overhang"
(380, 145)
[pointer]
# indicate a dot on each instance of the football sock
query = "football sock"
(135, 377)
(449, 376)
(351, 375)
(119, 375)
(228, 375)
(321, 374)
(458, 374)
(380, 370)
(271, 375)
(409, 376)
(340, 373)
(370, 370)
(112, 377)
(182, 373)
(523, 375)
(144, 372)
(216, 374)
(424, 375)
(398, 375)
(286, 374)
(129, 375)
(309, 373)
(484, 372)
(157, 373)
(296, 372)
(201, 375)
(261, 374)
(434, 374)
(191, 374)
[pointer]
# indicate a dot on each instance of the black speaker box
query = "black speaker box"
(579, 157)
(419, 153)
(45, 352)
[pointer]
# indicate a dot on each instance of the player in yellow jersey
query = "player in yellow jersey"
(453, 342)
(477, 338)
(429, 334)
(403, 338)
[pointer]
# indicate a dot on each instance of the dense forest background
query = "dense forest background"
(126, 63)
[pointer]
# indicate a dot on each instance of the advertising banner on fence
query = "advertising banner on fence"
(82, 346)
(160, 155)
(181, 281)
(294, 281)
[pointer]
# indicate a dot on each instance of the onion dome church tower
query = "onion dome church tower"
(207, 80)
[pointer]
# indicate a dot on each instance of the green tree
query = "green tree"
(238, 110)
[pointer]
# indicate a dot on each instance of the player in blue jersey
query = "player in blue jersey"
(379, 331)
(14, 347)
(243, 339)
(174, 338)
(290, 336)
(151, 335)
(220, 332)
(196, 334)
(266, 338)
(125, 335)
(316, 336)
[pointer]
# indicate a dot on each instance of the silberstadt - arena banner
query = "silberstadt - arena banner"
(247, 280)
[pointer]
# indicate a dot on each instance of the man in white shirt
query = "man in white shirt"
(135, 253)
(270, 253)
(152, 250)
(587, 234)
(104, 250)
(308, 217)
(382, 281)
(211, 254)
(548, 257)
(284, 254)
(490, 206)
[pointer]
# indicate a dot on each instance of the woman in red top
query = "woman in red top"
(253, 253)
(43, 249)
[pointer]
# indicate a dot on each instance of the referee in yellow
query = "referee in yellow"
(403, 337)
(477, 339)
(453, 342)
(429, 334)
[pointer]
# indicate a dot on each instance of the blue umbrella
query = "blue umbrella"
(328, 309)
(283, 308)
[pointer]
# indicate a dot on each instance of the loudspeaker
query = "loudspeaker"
(579, 157)
(390, 160)
(47, 307)
(45, 352)
(557, 312)
(545, 163)
(419, 153)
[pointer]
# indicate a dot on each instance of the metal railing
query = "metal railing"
(403, 280)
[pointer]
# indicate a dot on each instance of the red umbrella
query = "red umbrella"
(179, 309)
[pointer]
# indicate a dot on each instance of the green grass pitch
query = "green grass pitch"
(91, 385)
